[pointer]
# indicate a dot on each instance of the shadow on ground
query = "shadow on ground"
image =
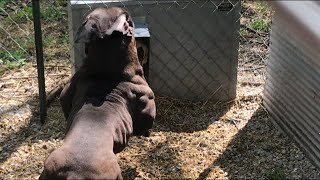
(261, 150)
(158, 160)
(171, 144)
(176, 115)
(32, 131)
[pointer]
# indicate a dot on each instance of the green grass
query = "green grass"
(65, 37)
(17, 13)
(276, 175)
(243, 32)
(259, 24)
(2, 4)
(51, 11)
(49, 40)
(13, 56)
(23, 15)
(262, 6)
(257, 15)
(14, 59)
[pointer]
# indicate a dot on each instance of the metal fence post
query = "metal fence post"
(39, 56)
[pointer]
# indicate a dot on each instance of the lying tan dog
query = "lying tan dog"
(106, 102)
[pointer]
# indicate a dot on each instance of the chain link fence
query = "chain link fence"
(207, 51)
(184, 62)
(193, 49)
(199, 50)
(193, 46)
(19, 83)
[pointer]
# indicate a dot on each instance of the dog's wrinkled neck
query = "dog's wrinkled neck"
(111, 56)
(106, 56)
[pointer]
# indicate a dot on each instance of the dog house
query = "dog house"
(192, 45)
(292, 89)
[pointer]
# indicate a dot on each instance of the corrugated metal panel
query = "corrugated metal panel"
(292, 89)
(193, 44)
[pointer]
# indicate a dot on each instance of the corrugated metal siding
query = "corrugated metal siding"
(292, 89)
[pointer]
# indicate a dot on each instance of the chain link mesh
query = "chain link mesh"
(187, 57)
(184, 55)
(191, 56)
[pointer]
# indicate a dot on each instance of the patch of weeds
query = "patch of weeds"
(23, 15)
(262, 6)
(64, 38)
(52, 12)
(247, 10)
(30, 44)
(260, 24)
(2, 4)
(243, 32)
(14, 59)
(49, 40)
(62, 3)
(15, 64)
(2, 70)
(276, 175)
(19, 14)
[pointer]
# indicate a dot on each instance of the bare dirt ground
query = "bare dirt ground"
(190, 140)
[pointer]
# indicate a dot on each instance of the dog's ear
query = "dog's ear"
(93, 28)
(89, 30)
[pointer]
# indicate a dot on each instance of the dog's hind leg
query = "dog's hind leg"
(66, 98)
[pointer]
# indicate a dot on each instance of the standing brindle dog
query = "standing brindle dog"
(107, 101)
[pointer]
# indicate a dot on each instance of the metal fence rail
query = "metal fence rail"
(39, 57)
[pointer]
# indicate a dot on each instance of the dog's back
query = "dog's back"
(106, 102)
(89, 146)
(69, 163)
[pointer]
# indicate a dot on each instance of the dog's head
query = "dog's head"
(104, 22)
